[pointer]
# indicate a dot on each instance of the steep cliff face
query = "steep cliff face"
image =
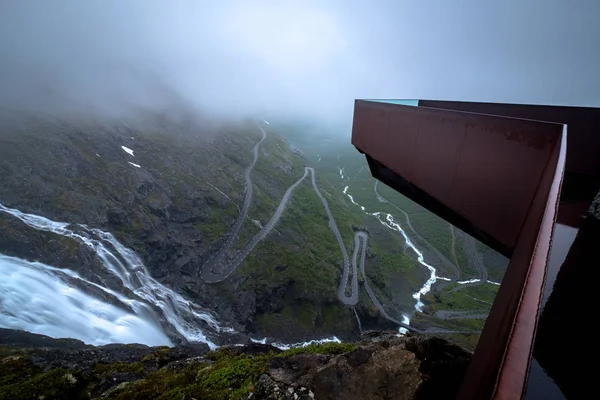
(171, 190)
(380, 366)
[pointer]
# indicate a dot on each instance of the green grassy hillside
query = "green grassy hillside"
(329, 153)
(177, 208)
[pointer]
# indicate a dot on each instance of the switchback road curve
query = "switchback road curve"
(209, 273)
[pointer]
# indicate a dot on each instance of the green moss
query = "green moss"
(229, 377)
(324, 348)
(56, 384)
(108, 369)
(7, 351)
(157, 385)
(15, 369)
(161, 353)
(219, 354)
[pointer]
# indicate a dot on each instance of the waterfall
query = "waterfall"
(183, 315)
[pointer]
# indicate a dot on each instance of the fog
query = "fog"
(294, 58)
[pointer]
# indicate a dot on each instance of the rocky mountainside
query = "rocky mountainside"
(171, 189)
(379, 366)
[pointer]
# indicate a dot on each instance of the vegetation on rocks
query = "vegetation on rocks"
(320, 348)
(225, 373)
(322, 371)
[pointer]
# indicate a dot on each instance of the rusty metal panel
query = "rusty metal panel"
(373, 119)
(437, 147)
(403, 154)
(484, 168)
(505, 160)
(582, 168)
(504, 349)
(499, 177)
(513, 373)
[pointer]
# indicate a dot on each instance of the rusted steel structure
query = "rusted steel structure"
(496, 172)
(582, 169)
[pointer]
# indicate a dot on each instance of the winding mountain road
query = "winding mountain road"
(470, 247)
(442, 257)
(207, 273)
(476, 261)
(475, 256)
(453, 243)
(450, 314)
(472, 251)
(361, 238)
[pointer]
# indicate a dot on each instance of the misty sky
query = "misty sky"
(303, 58)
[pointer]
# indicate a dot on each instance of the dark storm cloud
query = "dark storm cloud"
(302, 58)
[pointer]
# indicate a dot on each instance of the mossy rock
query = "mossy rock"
(56, 384)
(320, 348)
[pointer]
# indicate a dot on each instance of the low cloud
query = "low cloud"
(293, 58)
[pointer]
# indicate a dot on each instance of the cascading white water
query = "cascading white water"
(38, 298)
(406, 320)
(352, 198)
(389, 223)
(467, 282)
(43, 299)
(283, 346)
(128, 267)
(183, 315)
(123, 263)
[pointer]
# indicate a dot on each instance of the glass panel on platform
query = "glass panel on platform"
(404, 102)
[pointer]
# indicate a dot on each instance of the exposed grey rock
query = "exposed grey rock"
(395, 368)
(398, 368)
(594, 209)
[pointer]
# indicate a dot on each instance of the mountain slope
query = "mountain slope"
(177, 209)
(461, 264)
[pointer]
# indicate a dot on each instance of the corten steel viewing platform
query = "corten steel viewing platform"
(495, 171)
